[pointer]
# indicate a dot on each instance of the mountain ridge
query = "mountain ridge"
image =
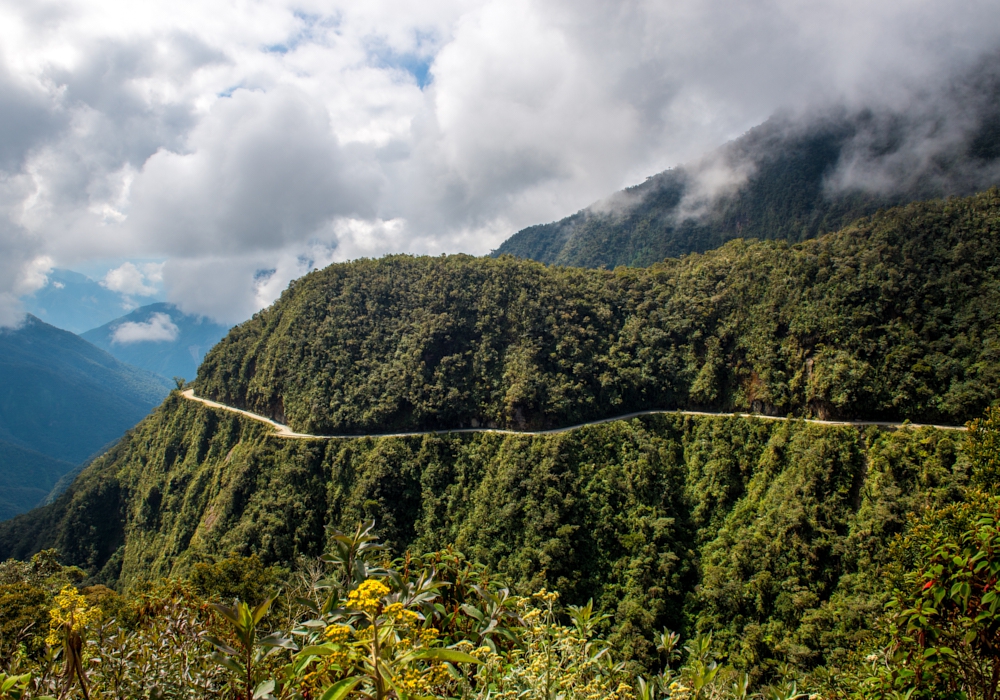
(679, 521)
(849, 325)
(786, 179)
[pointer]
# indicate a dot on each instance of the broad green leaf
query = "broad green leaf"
(220, 645)
(276, 639)
(452, 655)
(261, 610)
(340, 689)
(230, 613)
(264, 689)
(317, 650)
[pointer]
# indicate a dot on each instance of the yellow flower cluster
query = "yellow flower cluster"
(401, 616)
(368, 596)
(531, 615)
(547, 596)
(70, 613)
(429, 635)
(679, 690)
(324, 674)
(415, 681)
(438, 674)
(338, 634)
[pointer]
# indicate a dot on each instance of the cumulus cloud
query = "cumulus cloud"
(246, 146)
(129, 280)
(158, 328)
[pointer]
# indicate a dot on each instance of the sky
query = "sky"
(208, 152)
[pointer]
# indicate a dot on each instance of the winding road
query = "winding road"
(283, 431)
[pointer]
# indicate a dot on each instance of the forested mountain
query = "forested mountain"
(160, 338)
(776, 535)
(893, 317)
(665, 520)
(61, 400)
(788, 179)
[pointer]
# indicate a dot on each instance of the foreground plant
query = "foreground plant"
(354, 628)
(69, 619)
(246, 659)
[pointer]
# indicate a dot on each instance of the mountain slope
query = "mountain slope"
(783, 180)
(159, 338)
(893, 318)
(629, 513)
(776, 533)
(64, 398)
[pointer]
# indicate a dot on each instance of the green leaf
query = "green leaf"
(221, 645)
(317, 650)
(230, 613)
(264, 689)
(228, 662)
(340, 689)
(452, 655)
(472, 612)
(276, 639)
(261, 610)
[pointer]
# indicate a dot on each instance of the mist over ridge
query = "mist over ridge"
(796, 176)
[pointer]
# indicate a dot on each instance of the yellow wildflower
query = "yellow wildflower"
(547, 596)
(368, 596)
(70, 613)
(338, 634)
(438, 674)
(401, 616)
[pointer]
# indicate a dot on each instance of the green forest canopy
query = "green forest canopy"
(895, 317)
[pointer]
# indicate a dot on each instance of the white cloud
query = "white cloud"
(130, 280)
(228, 139)
(158, 328)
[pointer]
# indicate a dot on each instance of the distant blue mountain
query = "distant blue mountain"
(61, 401)
(74, 302)
(159, 338)
(27, 478)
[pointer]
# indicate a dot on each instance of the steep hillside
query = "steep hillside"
(894, 317)
(785, 180)
(64, 398)
(159, 338)
(664, 520)
(775, 534)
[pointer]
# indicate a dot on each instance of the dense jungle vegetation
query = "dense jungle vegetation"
(843, 564)
(725, 557)
(894, 317)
